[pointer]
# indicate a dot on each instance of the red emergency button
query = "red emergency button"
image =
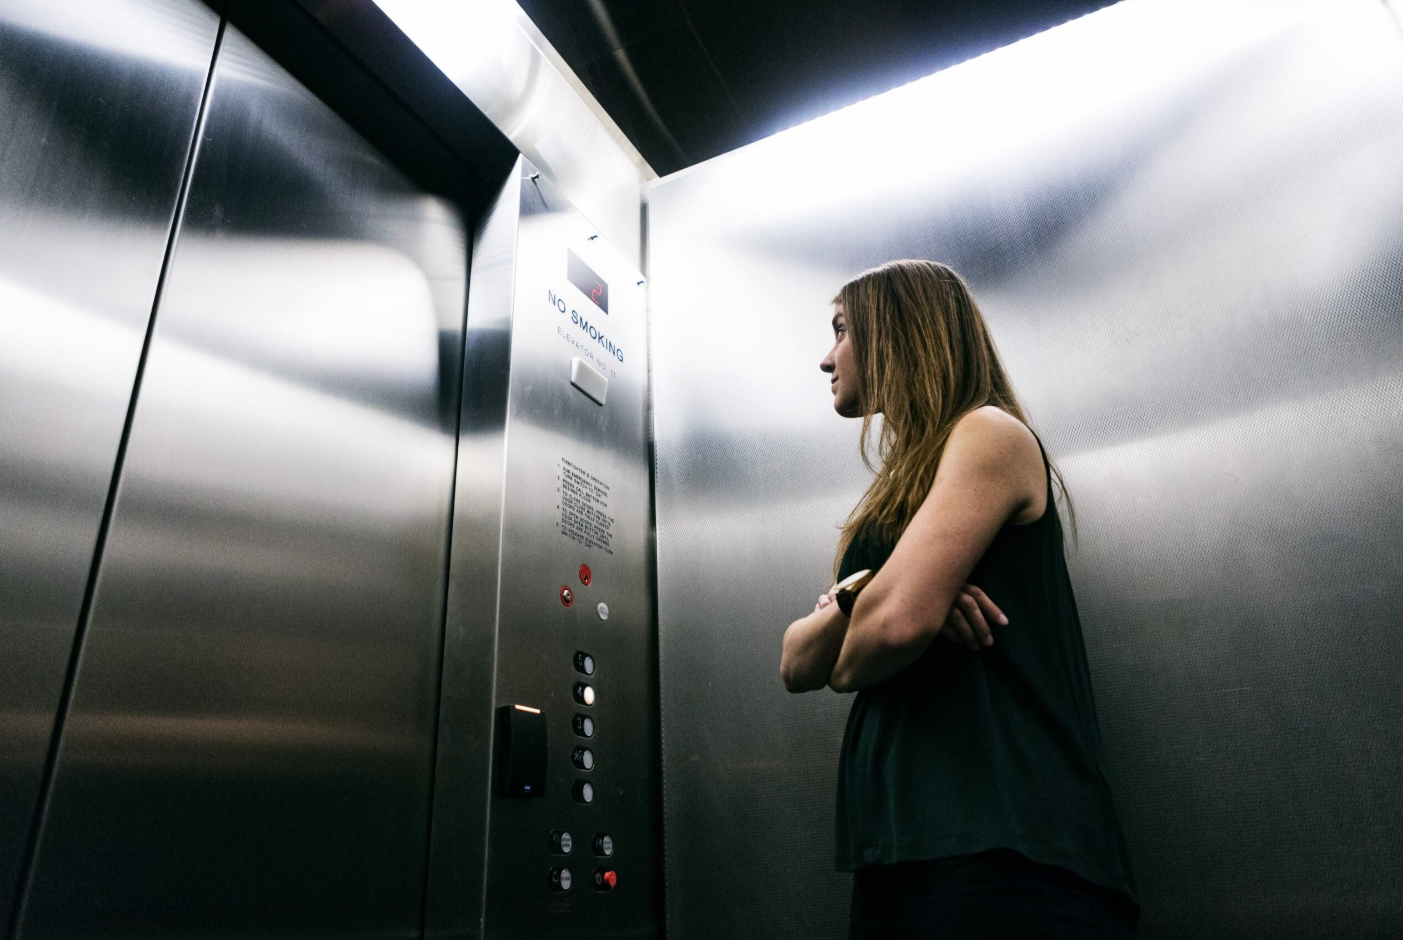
(605, 879)
(585, 575)
(567, 596)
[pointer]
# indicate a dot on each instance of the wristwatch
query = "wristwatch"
(850, 587)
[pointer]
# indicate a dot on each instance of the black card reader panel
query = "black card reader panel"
(521, 751)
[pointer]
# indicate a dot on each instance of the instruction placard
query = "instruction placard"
(584, 507)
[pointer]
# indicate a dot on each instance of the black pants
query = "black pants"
(987, 896)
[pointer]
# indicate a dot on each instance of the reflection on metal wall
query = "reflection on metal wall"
(550, 569)
(1183, 223)
(497, 57)
(248, 747)
(97, 111)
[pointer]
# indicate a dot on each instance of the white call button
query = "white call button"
(588, 379)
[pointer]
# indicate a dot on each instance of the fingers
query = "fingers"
(969, 608)
(992, 614)
(823, 601)
(961, 628)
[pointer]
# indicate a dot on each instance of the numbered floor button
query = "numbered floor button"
(584, 663)
(584, 694)
(583, 758)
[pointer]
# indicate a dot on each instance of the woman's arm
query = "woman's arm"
(991, 472)
(811, 647)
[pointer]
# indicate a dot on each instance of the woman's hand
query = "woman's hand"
(825, 599)
(969, 619)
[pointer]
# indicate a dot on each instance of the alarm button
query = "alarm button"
(605, 879)
(560, 879)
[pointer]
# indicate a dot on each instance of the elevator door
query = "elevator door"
(249, 743)
(97, 113)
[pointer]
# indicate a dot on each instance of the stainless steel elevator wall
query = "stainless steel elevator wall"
(549, 480)
(97, 113)
(248, 750)
(1184, 222)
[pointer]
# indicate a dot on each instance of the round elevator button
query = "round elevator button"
(584, 663)
(585, 575)
(584, 726)
(560, 879)
(603, 610)
(584, 694)
(560, 842)
(603, 844)
(605, 879)
(583, 758)
(567, 596)
(583, 791)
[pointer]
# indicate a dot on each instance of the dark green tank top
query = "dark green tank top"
(965, 751)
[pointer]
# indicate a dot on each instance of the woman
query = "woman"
(972, 798)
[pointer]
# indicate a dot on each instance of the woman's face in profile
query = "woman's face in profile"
(841, 366)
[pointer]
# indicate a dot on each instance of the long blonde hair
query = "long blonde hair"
(925, 359)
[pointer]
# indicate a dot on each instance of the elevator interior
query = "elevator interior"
(335, 441)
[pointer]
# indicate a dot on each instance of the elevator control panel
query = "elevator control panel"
(574, 617)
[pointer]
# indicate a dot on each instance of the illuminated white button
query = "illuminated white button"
(603, 609)
(584, 694)
(588, 379)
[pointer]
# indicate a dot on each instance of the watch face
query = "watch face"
(852, 579)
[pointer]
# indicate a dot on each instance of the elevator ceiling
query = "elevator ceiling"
(689, 79)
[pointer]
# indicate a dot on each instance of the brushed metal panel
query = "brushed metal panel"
(97, 112)
(458, 842)
(556, 438)
(528, 449)
(248, 750)
(1182, 221)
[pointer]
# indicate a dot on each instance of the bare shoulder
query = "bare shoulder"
(993, 444)
(992, 435)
